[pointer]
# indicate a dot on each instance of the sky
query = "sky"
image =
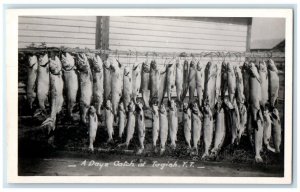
(267, 31)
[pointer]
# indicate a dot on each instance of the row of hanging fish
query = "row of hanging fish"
(223, 100)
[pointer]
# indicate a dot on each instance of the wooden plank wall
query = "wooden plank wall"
(69, 31)
(157, 34)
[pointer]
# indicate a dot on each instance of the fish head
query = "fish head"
(131, 106)
(193, 64)
(146, 66)
(121, 107)
(43, 59)
(153, 65)
(108, 105)
(136, 67)
(179, 64)
(107, 63)
(185, 107)
(155, 109)
(67, 61)
(172, 105)
(275, 114)
(162, 108)
(139, 106)
(195, 108)
(82, 61)
(199, 66)
(272, 66)
(97, 63)
(55, 65)
(230, 68)
(127, 71)
(32, 60)
(92, 110)
(114, 65)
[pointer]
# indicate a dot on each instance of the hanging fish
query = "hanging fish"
(154, 81)
(246, 80)
(86, 85)
(243, 120)
(179, 79)
(56, 93)
(93, 126)
(196, 126)
(43, 81)
(231, 82)
(116, 84)
(263, 74)
(187, 124)
(276, 130)
(140, 127)
(162, 85)
(131, 121)
(173, 123)
(208, 130)
(192, 80)
(200, 82)
(224, 81)
(155, 125)
(267, 129)
(97, 69)
(273, 82)
(136, 80)
(32, 70)
(240, 97)
(210, 85)
(220, 132)
(235, 124)
(107, 79)
(71, 81)
(258, 139)
(109, 121)
(127, 88)
(186, 72)
(145, 87)
(163, 127)
(122, 120)
(255, 91)
(218, 83)
(171, 75)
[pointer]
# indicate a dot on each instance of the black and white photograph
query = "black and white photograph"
(153, 96)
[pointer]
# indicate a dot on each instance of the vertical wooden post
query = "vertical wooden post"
(248, 41)
(102, 33)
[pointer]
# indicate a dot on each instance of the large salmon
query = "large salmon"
(86, 85)
(276, 129)
(246, 81)
(163, 127)
(145, 82)
(116, 84)
(93, 126)
(243, 120)
(210, 85)
(263, 73)
(186, 72)
(130, 124)
(31, 81)
(220, 132)
(127, 87)
(109, 121)
(107, 79)
(192, 80)
(187, 124)
(235, 124)
(43, 81)
(200, 82)
(98, 80)
(56, 92)
(196, 126)
(140, 126)
(267, 129)
(273, 82)
(171, 75)
(136, 80)
(71, 81)
(231, 82)
(173, 123)
(255, 91)
(208, 130)
(258, 139)
(154, 81)
(162, 84)
(240, 97)
(179, 79)
(155, 125)
(122, 120)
